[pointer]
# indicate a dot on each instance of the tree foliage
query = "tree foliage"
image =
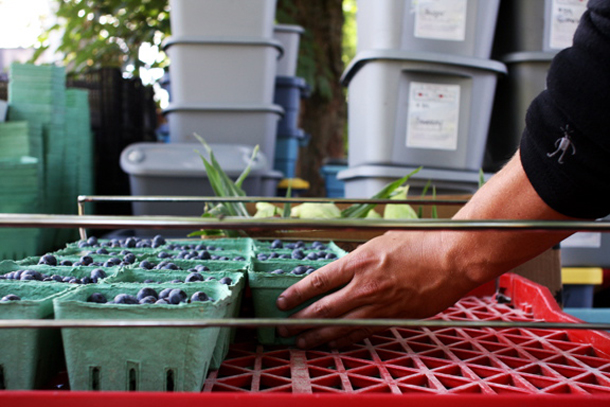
(108, 33)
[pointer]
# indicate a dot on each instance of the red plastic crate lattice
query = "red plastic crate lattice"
(433, 361)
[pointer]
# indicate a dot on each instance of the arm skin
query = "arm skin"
(416, 274)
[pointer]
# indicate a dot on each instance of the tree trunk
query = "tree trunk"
(324, 113)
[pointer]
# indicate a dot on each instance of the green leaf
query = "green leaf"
(481, 177)
(420, 210)
(286, 211)
(361, 210)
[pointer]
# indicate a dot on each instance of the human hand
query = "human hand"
(396, 275)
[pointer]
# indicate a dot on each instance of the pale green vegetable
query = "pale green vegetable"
(373, 214)
(399, 211)
(266, 210)
(316, 210)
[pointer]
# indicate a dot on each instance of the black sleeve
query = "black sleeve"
(565, 147)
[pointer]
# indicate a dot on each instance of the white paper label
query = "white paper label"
(589, 240)
(565, 17)
(433, 117)
(440, 19)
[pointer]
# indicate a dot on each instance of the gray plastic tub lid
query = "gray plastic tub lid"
(385, 171)
(399, 55)
(289, 28)
(197, 107)
(516, 57)
(182, 159)
(223, 40)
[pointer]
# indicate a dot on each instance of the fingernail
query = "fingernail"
(281, 302)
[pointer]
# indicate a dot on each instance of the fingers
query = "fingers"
(337, 337)
(319, 282)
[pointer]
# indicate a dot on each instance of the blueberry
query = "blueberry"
(130, 242)
(92, 241)
(277, 244)
(210, 278)
(312, 256)
(147, 292)
(330, 256)
(125, 299)
(164, 293)
(170, 266)
(226, 280)
(57, 278)
(223, 258)
(182, 254)
(97, 298)
(86, 280)
(74, 280)
(193, 277)
(239, 258)
(83, 244)
(129, 258)
(145, 264)
(176, 296)
(65, 263)
(158, 239)
(31, 275)
(148, 300)
(115, 260)
(204, 255)
(284, 256)
(274, 255)
(299, 270)
(10, 297)
(310, 270)
(212, 248)
(262, 256)
(297, 254)
(201, 267)
(48, 259)
(97, 274)
(86, 260)
(199, 296)
(101, 250)
(291, 246)
(161, 301)
(277, 271)
(66, 279)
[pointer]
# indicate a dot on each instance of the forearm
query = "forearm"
(484, 255)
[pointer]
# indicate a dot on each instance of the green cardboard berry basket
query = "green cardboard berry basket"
(266, 287)
(243, 244)
(29, 357)
(79, 271)
(142, 359)
(75, 251)
(238, 277)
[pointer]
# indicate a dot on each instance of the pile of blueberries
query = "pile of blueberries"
(86, 260)
(32, 275)
(197, 255)
(129, 242)
(147, 295)
(300, 270)
(194, 277)
(318, 251)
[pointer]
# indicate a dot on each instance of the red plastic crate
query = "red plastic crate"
(468, 366)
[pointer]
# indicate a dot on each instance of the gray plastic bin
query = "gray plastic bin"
(175, 169)
(525, 80)
(415, 108)
(536, 25)
(587, 249)
(222, 70)
(240, 124)
(290, 38)
(461, 27)
(250, 18)
(366, 180)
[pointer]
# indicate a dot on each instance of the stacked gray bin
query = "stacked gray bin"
(289, 91)
(420, 92)
(529, 33)
(223, 62)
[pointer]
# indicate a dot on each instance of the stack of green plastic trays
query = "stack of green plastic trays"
(37, 94)
(78, 166)
(19, 188)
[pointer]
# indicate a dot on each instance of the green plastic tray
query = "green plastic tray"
(144, 359)
(266, 287)
(79, 271)
(226, 335)
(29, 357)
